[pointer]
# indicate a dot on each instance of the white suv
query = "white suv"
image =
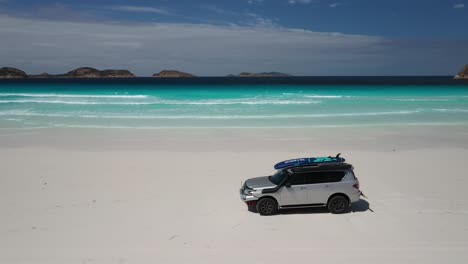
(307, 182)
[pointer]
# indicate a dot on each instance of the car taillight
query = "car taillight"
(356, 186)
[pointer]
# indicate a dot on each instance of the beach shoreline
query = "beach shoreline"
(374, 138)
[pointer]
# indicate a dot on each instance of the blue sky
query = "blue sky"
(302, 37)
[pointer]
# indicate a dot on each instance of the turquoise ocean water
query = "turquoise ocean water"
(147, 106)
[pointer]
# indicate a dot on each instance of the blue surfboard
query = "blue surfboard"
(307, 161)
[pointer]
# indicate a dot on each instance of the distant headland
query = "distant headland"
(83, 72)
(463, 74)
(89, 72)
(10, 73)
(261, 74)
(172, 74)
(86, 72)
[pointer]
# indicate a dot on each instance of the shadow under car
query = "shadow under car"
(357, 207)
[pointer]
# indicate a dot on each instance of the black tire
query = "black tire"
(267, 206)
(338, 204)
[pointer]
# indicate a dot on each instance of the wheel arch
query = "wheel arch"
(266, 210)
(339, 194)
(271, 197)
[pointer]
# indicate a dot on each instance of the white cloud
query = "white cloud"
(145, 9)
(220, 11)
(304, 2)
(459, 6)
(256, 20)
(243, 18)
(333, 5)
(255, 1)
(38, 45)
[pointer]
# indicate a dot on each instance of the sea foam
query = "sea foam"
(73, 95)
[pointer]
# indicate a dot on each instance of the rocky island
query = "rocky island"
(10, 73)
(88, 72)
(463, 74)
(261, 74)
(172, 74)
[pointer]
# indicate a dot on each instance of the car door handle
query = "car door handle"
(327, 186)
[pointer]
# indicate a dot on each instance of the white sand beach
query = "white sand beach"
(162, 196)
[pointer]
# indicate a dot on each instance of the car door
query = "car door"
(321, 185)
(314, 185)
(296, 194)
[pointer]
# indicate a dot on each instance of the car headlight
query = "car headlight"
(248, 191)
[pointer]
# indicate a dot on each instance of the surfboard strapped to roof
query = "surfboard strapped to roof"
(308, 161)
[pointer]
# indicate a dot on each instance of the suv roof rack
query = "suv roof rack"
(314, 161)
(323, 166)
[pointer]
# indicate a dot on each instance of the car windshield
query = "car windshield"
(277, 177)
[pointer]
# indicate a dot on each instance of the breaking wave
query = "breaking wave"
(73, 95)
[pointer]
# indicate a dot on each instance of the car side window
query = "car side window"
(296, 178)
(317, 177)
(335, 176)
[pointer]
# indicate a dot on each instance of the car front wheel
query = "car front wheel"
(267, 206)
(338, 204)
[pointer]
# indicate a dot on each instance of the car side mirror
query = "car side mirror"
(288, 185)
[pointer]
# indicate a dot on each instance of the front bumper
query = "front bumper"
(247, 198)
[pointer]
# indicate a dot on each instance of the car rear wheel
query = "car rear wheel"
(267, 206)
(338, 204)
